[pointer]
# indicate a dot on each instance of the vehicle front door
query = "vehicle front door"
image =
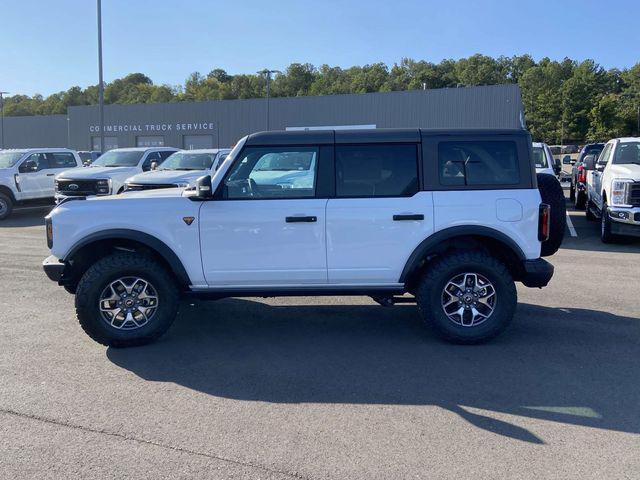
(595, 190)
(266, 226)
(33, 173)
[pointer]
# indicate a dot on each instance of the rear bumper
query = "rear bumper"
(536, 273)
(54, 268)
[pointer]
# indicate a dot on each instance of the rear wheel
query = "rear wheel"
(580, 200)
(6, 206)
(126, 299)
(467, 297)
(572, 192)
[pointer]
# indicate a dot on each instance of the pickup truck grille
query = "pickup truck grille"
(634, 194)
(76, 188)
(136, 187)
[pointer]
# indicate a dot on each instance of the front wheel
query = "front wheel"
(126, 299)
(467, 297)
(6, 206)
(605, 226)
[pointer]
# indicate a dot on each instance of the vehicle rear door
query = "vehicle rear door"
(266, 226)
(379, 214)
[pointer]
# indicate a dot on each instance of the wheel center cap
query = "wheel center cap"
(468, 298)
(128, 303)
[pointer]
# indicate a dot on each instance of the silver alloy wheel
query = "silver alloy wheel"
(3, 207)
(468, 299)
(128, 303)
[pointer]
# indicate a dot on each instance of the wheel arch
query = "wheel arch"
(100, 244)
(460, 238)
(8, 192)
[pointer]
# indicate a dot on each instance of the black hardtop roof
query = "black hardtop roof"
(378, 135)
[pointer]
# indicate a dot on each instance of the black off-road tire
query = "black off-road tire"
(6, 206)
(572, 192)
(605, 226)
(580, 201)
(430, 292)
(107, 270)
(552, 194)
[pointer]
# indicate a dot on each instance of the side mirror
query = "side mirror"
(589, 162)
(29, 166)
(600, 167)
(86, 163)
(154, 165)
(203, 188)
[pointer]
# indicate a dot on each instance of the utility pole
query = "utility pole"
(2, 119)
(267, 73)
(100, 80)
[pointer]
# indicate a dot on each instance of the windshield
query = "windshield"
(628, 152)
(188, 161)
(118, 159)
(539, 158)
(9, 159)
(284, 162)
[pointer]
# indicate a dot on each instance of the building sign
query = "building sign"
(153, 127)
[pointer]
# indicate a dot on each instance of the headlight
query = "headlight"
(103, 187)
(182, 184)
(49, 227)
(619, 191)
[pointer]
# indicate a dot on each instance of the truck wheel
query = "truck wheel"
(126, 299)
(6, 206)
(588, 207)
(572, 192)
(467, 297)
(553, 195)
(605, 226)
(580, 200)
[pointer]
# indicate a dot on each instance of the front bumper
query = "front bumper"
(536, 273)
(54, 268)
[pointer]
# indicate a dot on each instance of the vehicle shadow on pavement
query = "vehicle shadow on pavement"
(572, 366)
(28, 217)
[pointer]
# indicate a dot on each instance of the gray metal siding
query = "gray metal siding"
(496, 106)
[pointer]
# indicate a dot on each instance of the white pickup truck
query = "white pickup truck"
(26, 175)
(613, 189)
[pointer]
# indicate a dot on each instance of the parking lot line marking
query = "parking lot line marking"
(572, 230)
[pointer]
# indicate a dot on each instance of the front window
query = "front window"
(118, 159)
(9, 159)
(275, 172)
(626, 153)
(539, 157)
(188, 161)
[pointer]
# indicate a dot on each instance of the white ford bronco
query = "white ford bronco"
(27, 175)
(180, 169)
(107, 174)
(448, 219)
(613, 189)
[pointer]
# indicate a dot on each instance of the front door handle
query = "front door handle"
(50, 174)
(301, 219)
(399, 218)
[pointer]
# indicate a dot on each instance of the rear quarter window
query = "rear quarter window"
(478, 163)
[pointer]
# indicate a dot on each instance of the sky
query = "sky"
(48, 46)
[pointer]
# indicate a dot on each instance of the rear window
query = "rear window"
(478, 163)
(62, 160)
(376, 170)
(539, 157)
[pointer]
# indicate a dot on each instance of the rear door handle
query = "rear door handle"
(301, 219)
(399, 218)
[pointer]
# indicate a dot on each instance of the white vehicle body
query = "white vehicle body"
(543, 158)
(108, 180)
(165, 177)
(613, 188)
(319, 213)
(21, 183)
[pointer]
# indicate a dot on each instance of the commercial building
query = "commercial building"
(222, 123)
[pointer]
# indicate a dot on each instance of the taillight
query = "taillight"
(582, 174)
(544, 221)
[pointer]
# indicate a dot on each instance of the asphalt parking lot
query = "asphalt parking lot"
(325, 387)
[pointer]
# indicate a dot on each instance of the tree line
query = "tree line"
(566, 100)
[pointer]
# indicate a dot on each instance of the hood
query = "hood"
(167, 176)
(90, 173)
(157, 193)
(626, 170)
